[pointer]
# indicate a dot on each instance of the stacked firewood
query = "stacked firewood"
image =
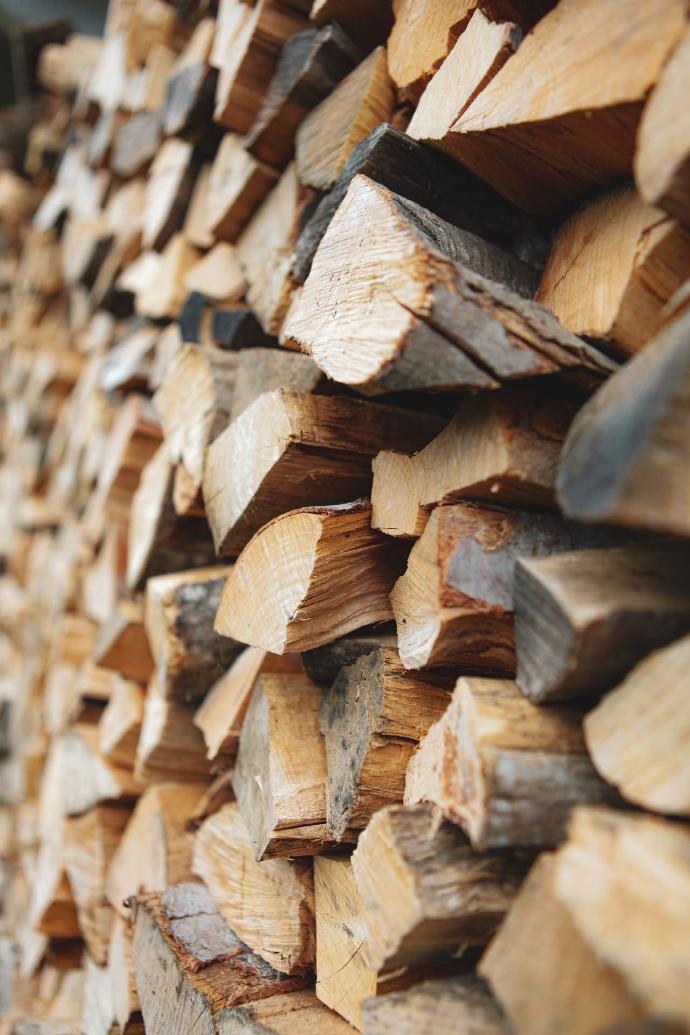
(345, 522)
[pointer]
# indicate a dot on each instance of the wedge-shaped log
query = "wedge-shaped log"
(308, 577)
(322, 664)
(507, 771)
(52, 910)
(291, 450)
(123, 987)
(90, 841)
(194, 403)
(280, 774)
(480, 52)
(434, 317)
(421, 38)
(545, 140)
(82, 777)
(221, 714)
(270, 905)
(296, 1013)
(119, 726)
(170, 746)
(355, 107)
(625, 880)
(435, 182)
(454, 605)
(310, 66)
(135, 143)
(662, 159)
(217, 275)
(625, 461)
(426, 892)
(179, 615)
(444, 1006)
(502, 447)
(582, 620)
(372, 719)
(638, 734)
(155, 849)
(159, 540)
(261, 370)
(237, 185)
(526, 958)
(189, 965)
(168, 190)
(133, 440)
(613, 267)
(122, 643)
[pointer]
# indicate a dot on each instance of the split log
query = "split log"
(444, 1006)
(236, 327)
(170, 746)
(189, 965)
(638, 733)
(525, 960)
(435, 182)
(372, 719)
(155, 849)
(280, 773)
(136, 143)
(505, 770)
(221, 714)
(195, 403)
(364, 24)
(179, 615)
(434, 320)
(480, 52)
(265, 250)
(261, 370)
(122, 643)
(613, 267)
(270, 905)
(454, 605)
(90, 841)
(255, 40)
(290, 450)
(217, 794)
(625, 880)
(133, 440)
(322, 664)
(625, 461)
(168, 190)
(297, 1013)
(421, 38)
(547, 142)
(218, 275)
(195, 226)
(330, 132)
(501, 447)
(52, 910)
(120, 723)
(162, 297)
(276, 594)
(237, 185)
(310, 66)
(426, 893)
(81, 777)
(582, 620)
(123, 988)
(190, 97)
(662, 159)
(160, 540)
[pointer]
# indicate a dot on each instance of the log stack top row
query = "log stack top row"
(345, 521)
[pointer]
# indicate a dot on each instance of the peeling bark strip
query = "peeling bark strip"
(439, 315)
(372, 718)
(507, 771)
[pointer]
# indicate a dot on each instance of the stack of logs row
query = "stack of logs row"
(345, 522)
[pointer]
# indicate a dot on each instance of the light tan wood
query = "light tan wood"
(426, 893)
(122, 644)
(280, 773)
(221, 714)
(179, 614)
(442, 307)
(302, 554)
(524, 967)
(167, 192)
(170, 746)
(120, 724)
(217, 275)
(507, 771)
(333, 129)
(480, 52)
(270, 905)
(494, 450)
(442, 1004)
(663, 145)
(297, 1013)
(265, 250)
(613, 267)
(123, 989)
(546, 140)
(372, 718)
(237, 184)
(421, 38)
(625, 881)
(81, 777)
(637, 734)
(155, 849)
(162, 297)
(290, 450)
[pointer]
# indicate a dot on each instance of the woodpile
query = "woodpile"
(345, 521)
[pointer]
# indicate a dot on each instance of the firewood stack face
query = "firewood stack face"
(345, 521)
